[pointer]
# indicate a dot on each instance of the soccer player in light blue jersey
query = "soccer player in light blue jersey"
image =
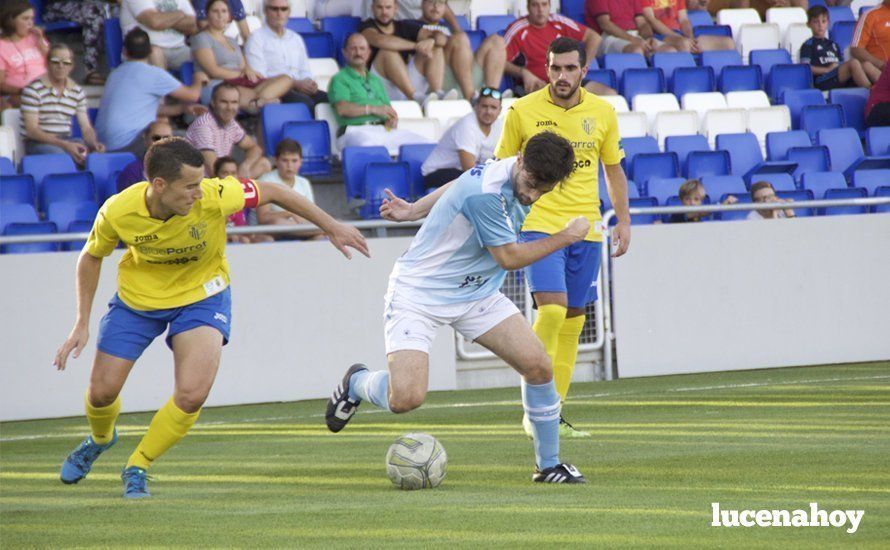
(452, 274)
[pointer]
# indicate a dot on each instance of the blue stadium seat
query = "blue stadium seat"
(63, 213)
(669, 62)
(798, 195)
(605, 77)
(882, 191)
(77, 227)
(17, 213)
(319, 44)
(840, 13)
(693, 80)
(114, 41)
(844, 147)
(415, 155)
(462, 22)
(476, 38)
(664, 188)
(675, 201)
(788, 77)
(796, 100)
(708, 163)
(699, 18)
(73, 187)
(380, 176)
(185, 73)
(315, 139)
(275, 116)
(712, 30)
(354, 161)
(683, 145)
(641, 81)
(494, 24)
(877, 140)
(718, 187)
(812, 3)
(340, 28)
(36, 228)
(809, 159)
(718, 59)
(643, 202)
(871, 180)
(778, 143)
(7, 168)
(17, 189)
(852, 100)
(41, 165)
(781, 182)
(654, 165)
(842, 33)
(55, 26)
(819, 117)
(820, 182)
(635, 146)
(767, 59)
(102, 166)
(846, 193)
(736, 215)
(633, 192)
(92, 113)
(740, 78)
(744, 151)
(573, 9)
(300, 24)
(620, 62)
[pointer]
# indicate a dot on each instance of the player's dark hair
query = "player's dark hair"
(287, 145)
(219, 162)
(549, 158)
(137, 44)
(11, 10)
(165, 158)
(564, 44)
(223, 86)
(755, 187)
(815, 12)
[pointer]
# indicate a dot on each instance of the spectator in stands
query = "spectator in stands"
(392, 44)
(692, 193)
(668, 18)
(223, 168)
(236, 9)
(361, 105)
(167, 22)
(763, 192)
(90, 15)
(214, 133)
(470, 141)
(23, 49)
(133, 96)
(276, 50)
(528, 39)
(135, 171)
(288, 159)
(877, 109)
(618, 21)
(871, 39)
(464, 69)
(50, 103)
(824, 57)
(220, 57)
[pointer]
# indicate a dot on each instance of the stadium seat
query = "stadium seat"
(643, 202)
(415, 155)
(7, 168)
(785, 17)
(616, 101)
(858, 7)
(11, 133)
(652, 104)
(744, 151)
(300, 24)
(748, 99)
(315, 139)
(669, 62)
(780, 182)
(77, 227)
(735, 18)
(844, 148)
(701, 103)
(798, 195)
(476, 38)
(674, 123)
(641, 81)
(606, 77)
(379, 176)
(35, 228)
(634, 146)
(788, 77)
(699, 18)
(63, 213)
(757, 37)
(114, 42)
(41, 165)
(808, 159)
(683, 145)
(796, 100)
(770, 119)
(632, 125)
(354, 161)
(718, 59)
(877, 140)
(8, 149)
(852, 100)
(463, 23)
(767, 59)
(491, 7)
(17, 189)
(724, 121)
(778, 143)
(428, 128)
(693, 80)
(842, 32)
(494, 24)
(818, 117)
(735, 215)
(740, 77)
(718, 187)
(619, 62)
(447, 109)
(274, 116)
(92, 113)
(795, 36)
(654, 165)
(340, 27)
(319, 44)
(708, 163)
(840, 13)
(102, 165)
(882, 191)
(846, 193)
(72, 187)
(322, 69)
(820, 182)
(324, 111)
(663, 188)
(712, 30)
(17, 213)
(870, 180)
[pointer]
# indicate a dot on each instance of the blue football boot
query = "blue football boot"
(80, 461)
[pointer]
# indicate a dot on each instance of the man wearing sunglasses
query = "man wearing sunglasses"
(49, 105)
(135, 171)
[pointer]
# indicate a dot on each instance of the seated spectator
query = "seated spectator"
(668, 18)
(692, 193)
(220, 57)
(464, 69)
(470, 141)
(871, 39)
(167, 22)
(824, 57)
(618, 21)
(214, 133)
(225, 167)
(274, 50)
(877, 108)
(50, 103)
(133, 95)
(528, 39)
(763, 192)
(392, 43)
(135, 171)
(23, 49)
(236, 9)
(90, 15)
(361, 105)
(288, 159)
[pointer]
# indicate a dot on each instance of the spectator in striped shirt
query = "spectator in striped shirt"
(50, 103)
(216, 132)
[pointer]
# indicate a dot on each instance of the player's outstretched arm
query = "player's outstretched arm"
(342, 236)
(616, 183)
(86, 281)
(518, 255)
(395, 209)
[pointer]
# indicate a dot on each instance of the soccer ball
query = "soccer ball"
(416, 461)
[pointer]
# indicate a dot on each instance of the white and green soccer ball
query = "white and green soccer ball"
(416, 461)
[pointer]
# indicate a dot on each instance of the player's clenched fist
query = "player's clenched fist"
(577, 228)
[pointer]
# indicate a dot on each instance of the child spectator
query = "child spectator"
(692, 193)
(824, 57)
(288, 160)
(225, 167)
(763, 192)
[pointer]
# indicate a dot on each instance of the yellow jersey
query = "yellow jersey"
(176, 262)
(591, 127)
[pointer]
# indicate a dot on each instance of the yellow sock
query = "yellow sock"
(547, 326)
(567, 354)
(102, 419)
(169, 425)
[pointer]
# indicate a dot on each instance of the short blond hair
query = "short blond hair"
(689, 187)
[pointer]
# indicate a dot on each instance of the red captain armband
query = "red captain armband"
(251, 193)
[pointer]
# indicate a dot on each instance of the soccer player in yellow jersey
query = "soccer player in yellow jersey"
(564, 282)
(174, 274)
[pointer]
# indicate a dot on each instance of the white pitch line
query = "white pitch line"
(494, 403)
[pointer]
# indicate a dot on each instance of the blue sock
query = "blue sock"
(542, 406)
(370, 386)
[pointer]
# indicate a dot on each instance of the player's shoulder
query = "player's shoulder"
(534, 99)
(128, 201)
(493, 174)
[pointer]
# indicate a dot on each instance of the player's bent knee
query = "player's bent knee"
(539, 370)
(101, 397)
(405, 403)
(190, 401)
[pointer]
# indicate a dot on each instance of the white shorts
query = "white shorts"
(410, 326)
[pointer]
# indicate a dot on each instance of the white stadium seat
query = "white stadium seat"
(446, 109)
(12, 118)
(632, 125)
(652, 104)
(857, 5)
(736, 18)
(748, 99)
(406, 108)
(724, 121)
(490, 7)
(324, 111)
(785, 17)
(426, 127)
(770, 119)
(323, 82)
(702, 102)
(617, 101)
(8, 145)
(323, 66)
(675, 123)
(764, 36)
(795, 36)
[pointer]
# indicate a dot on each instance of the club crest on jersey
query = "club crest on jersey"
(588, 125)
(197, 231)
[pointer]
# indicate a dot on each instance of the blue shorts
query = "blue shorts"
(125, 332)
(572, 270)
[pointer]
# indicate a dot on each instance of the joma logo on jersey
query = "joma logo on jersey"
(545, 123)
(145, 238)
(197, 231)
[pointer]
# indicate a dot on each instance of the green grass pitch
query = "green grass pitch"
(662, 450)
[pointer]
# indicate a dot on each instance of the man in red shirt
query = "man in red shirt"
(529, 37)
(877, 109)
(619, 22)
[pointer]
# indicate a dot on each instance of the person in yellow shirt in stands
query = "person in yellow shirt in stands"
(174, 274)
(563, 283)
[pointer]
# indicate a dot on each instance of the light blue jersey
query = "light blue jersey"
(447, 262)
